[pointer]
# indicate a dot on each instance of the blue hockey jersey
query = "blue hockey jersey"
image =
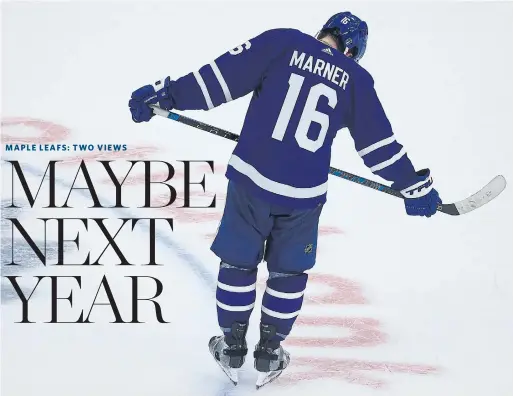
(303, 92)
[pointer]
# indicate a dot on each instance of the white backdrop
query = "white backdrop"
(441, 289)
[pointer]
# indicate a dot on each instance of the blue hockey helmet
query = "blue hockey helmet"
(349, 31)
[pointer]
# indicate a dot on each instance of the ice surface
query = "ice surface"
(396, 305)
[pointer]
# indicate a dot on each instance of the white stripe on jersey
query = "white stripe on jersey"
(286, 296)
(222, 82)
(236, 289)
(376, 146)
(204, 89)
(388, 162)
(273, 186)
(234, 308)
(280, 315)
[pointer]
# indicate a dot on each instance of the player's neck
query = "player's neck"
(329, 40)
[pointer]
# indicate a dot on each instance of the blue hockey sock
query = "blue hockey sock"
(236, 293)
(282, 302)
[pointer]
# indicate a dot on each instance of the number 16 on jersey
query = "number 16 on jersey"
(309, 114)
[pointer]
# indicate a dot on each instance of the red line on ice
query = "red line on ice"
(339, 290)
(350, 370)
(364, 332)
(48, 131)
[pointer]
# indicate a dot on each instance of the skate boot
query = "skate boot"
(230, 351)
(270, 357)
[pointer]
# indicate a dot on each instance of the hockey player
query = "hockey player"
(304, 90)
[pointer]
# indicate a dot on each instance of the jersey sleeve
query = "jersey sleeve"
(373, 135)
(232, 75)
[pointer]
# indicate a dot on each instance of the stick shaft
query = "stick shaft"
(233, 136)
(333, 171)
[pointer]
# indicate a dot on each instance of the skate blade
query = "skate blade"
(232, 374)
(265, 378)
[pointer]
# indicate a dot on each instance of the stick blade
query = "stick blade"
(480, 198)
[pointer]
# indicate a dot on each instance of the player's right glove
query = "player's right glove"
(156, 94)
(420, 198)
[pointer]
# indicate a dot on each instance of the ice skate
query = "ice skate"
(230, 351)
(270, 357)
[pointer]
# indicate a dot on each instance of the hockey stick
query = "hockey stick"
(480, 198)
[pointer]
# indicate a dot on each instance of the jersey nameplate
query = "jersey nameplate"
(320, 67)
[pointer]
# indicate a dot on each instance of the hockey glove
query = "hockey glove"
(156, 94)
(420, 198)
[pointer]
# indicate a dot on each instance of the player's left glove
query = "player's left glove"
(156, 94)
(420, 198)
